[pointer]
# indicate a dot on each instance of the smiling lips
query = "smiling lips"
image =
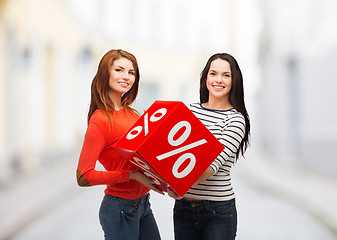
(123, 84)
(218, 87)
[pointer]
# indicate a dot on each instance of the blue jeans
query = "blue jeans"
(205, 220)
(125, 219)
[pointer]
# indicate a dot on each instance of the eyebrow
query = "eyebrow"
(211, 70)
(124, 68)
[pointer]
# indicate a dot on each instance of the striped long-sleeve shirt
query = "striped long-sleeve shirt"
(228, 126)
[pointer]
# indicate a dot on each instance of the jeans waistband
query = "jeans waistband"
(201, 204)
(143, 198)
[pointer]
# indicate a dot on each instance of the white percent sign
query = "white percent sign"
(147, 170)
(156, 116)
(177, 142)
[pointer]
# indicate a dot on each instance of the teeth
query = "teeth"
(124, 84)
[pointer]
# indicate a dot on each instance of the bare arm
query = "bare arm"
(206, 175)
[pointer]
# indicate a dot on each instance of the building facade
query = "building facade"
(298, 54)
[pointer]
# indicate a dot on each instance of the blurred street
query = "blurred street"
(287, 50)
(273, 201)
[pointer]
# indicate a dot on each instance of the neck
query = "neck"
(116, 100)
(218, 105)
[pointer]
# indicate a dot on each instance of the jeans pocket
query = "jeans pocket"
(129, 208)
(223, 209)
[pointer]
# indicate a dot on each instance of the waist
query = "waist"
(129, 190)
(203, 204)
(140, 199)
(185, 199)
(191, 199)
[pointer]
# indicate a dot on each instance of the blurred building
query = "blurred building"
(41, 51)
(298, 54)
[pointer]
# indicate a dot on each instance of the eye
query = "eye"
(118, 70)
(227, 75)
(212, 74)
(132, 73)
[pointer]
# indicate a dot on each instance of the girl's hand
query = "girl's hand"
(147, 182)
(172, 194)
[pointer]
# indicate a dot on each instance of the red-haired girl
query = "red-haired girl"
(125, 211)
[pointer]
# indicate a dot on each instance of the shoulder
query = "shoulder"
(99, 117)
(132, 113)
(196, 108)
(234, 115)
(125, 115)
(195, 105)
(206, 115)
(235, 121)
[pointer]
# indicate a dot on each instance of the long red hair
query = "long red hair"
(100, 84)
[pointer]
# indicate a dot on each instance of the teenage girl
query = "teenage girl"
(207, 210)
(125, 211)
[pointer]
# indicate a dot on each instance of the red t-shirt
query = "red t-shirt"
(98, 145)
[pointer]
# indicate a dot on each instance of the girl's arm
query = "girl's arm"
(231, 136)
(206, 175)
(94, 143)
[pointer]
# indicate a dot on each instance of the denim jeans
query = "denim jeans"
(125, 219)
(205, 220)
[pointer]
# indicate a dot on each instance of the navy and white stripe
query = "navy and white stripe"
(228, 126)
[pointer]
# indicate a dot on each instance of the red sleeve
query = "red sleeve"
(94, 143)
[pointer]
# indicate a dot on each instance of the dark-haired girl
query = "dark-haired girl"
(207, 210)
(125, 211)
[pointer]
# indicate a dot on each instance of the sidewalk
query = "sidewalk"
(314, 193)
(27, 198)
(31, 198)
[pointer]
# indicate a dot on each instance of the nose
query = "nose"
(126, 76)
(218, 79)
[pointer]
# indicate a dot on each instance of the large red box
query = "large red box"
(170, 145)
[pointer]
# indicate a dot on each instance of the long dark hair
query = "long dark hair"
(236, 95)
(100, 84)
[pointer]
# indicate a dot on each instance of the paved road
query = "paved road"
(73, 213)
(261, 216)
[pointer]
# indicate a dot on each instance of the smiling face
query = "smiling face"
(219, 80)
(122, 77)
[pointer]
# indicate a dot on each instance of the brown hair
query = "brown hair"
(100, 84)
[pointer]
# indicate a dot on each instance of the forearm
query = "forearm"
(93, 177)
(206, 175)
